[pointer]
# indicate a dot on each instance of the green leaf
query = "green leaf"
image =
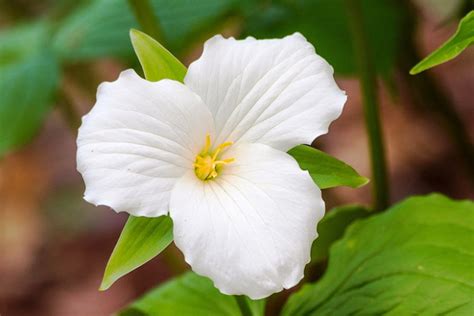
(29, 75)
(22, 41)
(415, 258)
(100, 27)
(463, 38)
(141, 240)
(332, 227)
(97, 29)
(191, 295)
(324, 23)
(157, 62)
(326, 171)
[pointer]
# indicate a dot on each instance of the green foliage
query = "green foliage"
(332, 227)
(29, 75)
(326, 171)
(141, 240)
(415, 258)
(100, 27)
(324, 23)
(97, 29)
(28, 55)
(462, 39)
(191, 295)
(20, 42)
(157, 62)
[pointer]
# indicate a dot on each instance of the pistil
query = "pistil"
(208, 163)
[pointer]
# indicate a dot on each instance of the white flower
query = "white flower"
(212, 153)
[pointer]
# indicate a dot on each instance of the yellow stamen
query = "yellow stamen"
(208, 144)
(225, 161)
(220, 148)
(207, 164)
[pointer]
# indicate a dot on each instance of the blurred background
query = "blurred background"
(53, 54)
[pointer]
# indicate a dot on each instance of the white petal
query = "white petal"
(250, 229)
(277, 92)
(137, 141)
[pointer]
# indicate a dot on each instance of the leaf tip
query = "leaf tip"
(415, 70)
(362, 181)
(133, 33)
(105, 284)
(108, 279)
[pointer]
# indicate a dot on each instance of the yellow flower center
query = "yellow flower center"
(208, 164)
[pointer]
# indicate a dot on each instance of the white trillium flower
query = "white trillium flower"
(212, 153)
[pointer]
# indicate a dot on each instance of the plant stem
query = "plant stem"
(243, 305)
(174, 262)
(145, 16)
(371, 107)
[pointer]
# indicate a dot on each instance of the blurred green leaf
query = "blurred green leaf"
(97, 29)
(332, 227)
(326, 171)
(29, 75)
(324, 23)
(157, 62)
(462, 39)
(415, 258)
(191, 295)
(22, 41)
(141, 240)
(100, 28)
